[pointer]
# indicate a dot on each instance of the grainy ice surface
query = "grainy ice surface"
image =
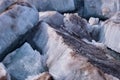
(59, 39)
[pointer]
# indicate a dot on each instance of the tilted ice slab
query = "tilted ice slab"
(111, 32)
(53, 18)
(23, 62)
(13, 23)
(63, 61)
